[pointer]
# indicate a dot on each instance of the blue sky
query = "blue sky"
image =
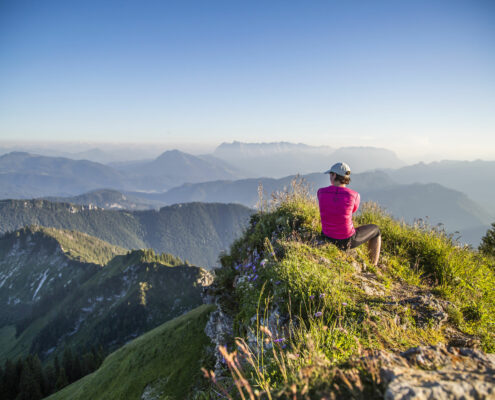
(414, 76)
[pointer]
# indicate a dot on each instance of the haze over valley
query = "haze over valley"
(435, 192)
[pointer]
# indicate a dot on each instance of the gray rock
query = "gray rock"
(437, 372)
(219, 330)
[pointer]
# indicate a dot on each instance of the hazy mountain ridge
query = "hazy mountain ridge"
(55, 300)
(25, 175)
(194, 231)
(174, 167)
(475, 178)
(280, 159)
(407, 201)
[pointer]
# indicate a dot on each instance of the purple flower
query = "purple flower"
(318, 314)
(263, 262)
(255, 277)
(277, 283)
(279, 340)
(344, 304)
(312, 297)
(322, 295)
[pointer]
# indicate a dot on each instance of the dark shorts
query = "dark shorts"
(364, 233)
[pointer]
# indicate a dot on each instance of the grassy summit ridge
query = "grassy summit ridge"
(302, 308)
(80, 246)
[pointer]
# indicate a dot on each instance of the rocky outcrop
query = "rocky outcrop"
(436, 372)
(219, 330)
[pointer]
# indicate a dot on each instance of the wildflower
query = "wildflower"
(279, 340)
(318, 314)
(312, 297)
(255, 277)
(344, 304)
(263, 262)
(322, 295)
(278, 283)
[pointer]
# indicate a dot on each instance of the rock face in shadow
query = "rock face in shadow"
(436, 372)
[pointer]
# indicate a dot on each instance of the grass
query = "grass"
(302, 309)
(455, 272)
(168, 358)
(85, 248)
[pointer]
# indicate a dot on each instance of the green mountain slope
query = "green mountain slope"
(56, 296)
(196, 232)
(43, 263)
(162, 364)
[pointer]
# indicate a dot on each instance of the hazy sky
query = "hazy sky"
(414, 76)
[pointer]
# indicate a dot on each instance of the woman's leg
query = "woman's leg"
(374, 246)
(369, 233)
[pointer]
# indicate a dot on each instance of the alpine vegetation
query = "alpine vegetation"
(311, 321)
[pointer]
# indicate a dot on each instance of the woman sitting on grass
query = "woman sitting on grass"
(337, 204)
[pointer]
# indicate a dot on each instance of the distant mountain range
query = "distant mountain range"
(176, 177)
(173, 168)
(25, 175)
(475, 178)
(280, 159)
(55, 296)
(197, 232)
(433, 203)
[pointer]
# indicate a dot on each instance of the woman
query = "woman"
(337, 204)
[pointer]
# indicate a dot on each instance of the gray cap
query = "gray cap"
(340, 168)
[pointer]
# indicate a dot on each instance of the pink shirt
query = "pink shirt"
(337, 204)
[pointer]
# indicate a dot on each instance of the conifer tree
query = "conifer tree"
(68, 364)
(487, 245)
(56, 365)
(29, 387)
(50, 379)
(9, 381)
(62, 380)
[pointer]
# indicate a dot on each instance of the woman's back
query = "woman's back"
(337, 204)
